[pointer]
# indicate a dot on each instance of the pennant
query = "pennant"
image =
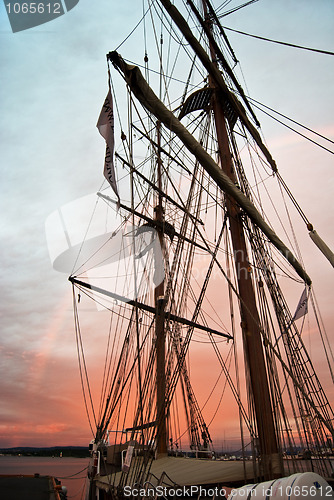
(105, 125)
(302, 306)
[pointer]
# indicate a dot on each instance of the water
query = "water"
(61, 468)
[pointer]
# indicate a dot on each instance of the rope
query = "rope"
(78, 336)
(72, 475)
(296, 131)
(134, 29)
(290, 119)
(281, 43)
(235, 8)
(330, 362)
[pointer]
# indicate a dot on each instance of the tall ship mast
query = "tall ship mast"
(190, 278)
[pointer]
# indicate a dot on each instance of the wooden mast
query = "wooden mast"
(159, 293)
(270, 462)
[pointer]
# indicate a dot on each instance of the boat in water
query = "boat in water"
(33, 487)
(196, 277)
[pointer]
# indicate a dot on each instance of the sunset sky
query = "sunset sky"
(53, 83)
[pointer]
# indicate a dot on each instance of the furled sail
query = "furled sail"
(322, 246)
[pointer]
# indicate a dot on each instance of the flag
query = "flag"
(302, 306)
(105, 125)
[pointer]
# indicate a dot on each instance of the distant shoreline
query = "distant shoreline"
(54, 451)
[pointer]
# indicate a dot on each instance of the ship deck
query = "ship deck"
(183, 471)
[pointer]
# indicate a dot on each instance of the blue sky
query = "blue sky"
(53, 83)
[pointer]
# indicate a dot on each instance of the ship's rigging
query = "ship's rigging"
(190, 197)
